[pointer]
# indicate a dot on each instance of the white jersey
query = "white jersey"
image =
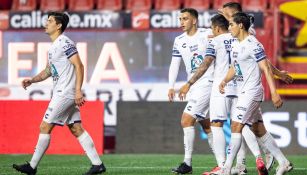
(192, 50)
(245, 57)
(63, 74)
(219, 48)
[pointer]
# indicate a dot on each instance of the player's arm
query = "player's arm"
(172, 76)
(229, 76)
(43, 75)
(266, 69)
(281, 74)
(79, 70)
(199, 72)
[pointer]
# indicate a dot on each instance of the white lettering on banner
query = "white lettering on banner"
(110, 52)
(301, 125)
(14, 64)
(171, 20)
(282, 132)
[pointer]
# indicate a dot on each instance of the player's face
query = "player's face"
(215, 30)
(187, 21)
(51, 26)
(234, 28)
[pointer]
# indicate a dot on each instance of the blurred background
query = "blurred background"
(126, 48)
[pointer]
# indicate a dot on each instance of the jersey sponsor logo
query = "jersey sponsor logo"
(241, 108)
(184, 45)
(193, 48)
(210, 51)
(196, 61)
(260, 55)
(69, 52)
(239, 116)
(239, 75)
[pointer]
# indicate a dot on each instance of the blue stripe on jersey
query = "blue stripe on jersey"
(70, 52)
(210, 51)
(261, 59)
(176, 52)
(260, 55)
(177, 56)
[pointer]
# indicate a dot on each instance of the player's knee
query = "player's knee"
(45, 128)
(187, 120)
(76, 130)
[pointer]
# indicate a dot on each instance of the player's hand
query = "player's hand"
(276, 99)
(79, 99)
(25, 83)
(183, 91)
(222, 12)
(171, 94)
(222, 87)
(285, 77)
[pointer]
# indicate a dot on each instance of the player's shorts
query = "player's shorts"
(245, 108)
(62, 111)
(257, 117)
(218, 108)
(231, 102)
(198, 101)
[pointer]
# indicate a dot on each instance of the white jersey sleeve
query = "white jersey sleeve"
(258, 52)
(69, 47)
(174, 66)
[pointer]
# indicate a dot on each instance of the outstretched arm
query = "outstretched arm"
(281, 74)
(43, 75)
(79, 69)
(229, 76)
(199, 72)
(266, 68)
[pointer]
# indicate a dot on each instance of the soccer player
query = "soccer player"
(265, 139)
(190, 46)
(217, 52)
(66, 69)
(248, 60)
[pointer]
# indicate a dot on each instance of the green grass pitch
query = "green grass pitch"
(131, 164)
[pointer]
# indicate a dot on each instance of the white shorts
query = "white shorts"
(198, 102)
(62, 111)
(257, 117)
(245, 109)
(231, 102)
(218, 109)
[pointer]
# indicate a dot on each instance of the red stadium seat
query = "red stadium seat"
(252, 5)
(167, 5)
(80, 5)
(138, 4)
(54, 5)
(24, 5)
(197, 4)
(109, 5)
(219, 3)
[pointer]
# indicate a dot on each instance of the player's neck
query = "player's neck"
(54, 36)
(242, 35)
(192, 31)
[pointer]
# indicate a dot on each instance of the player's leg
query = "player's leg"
(85, 140)
(205, 124)
(266, 139)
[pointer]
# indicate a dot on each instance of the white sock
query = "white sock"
(233, 148)
(219, 143)
(241, 156)
(268, 141)
(188, 141)
(251, 141)
(210, 141)
(40, 149)
(88, 146)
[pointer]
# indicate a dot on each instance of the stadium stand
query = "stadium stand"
(138, 4)
(24, 5)
(80, 5)
(197, 4)
(252, 5)
(219, 3)
(54, 5)
(114, 5)
(167, 5)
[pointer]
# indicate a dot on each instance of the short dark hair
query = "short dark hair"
(243, 18)
(234, 5)
(221, 21)
(192, 12)
(60, 18)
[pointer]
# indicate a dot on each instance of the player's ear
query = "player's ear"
(241, 26)
(59, 26)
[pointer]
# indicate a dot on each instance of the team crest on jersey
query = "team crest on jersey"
(54, 72)
(239, 75)
(196, 61)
